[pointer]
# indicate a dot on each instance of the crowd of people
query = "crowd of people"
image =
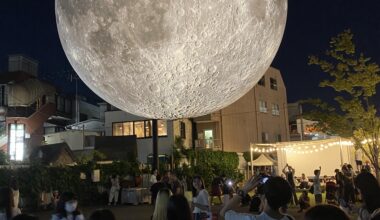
(268, 197)
(271, 198)
(170, 202)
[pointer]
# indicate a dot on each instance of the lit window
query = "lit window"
(263, 106)
(139, 129)
(117, 129)
(182, 127)
(16, 141)
(273, 84)
(162, 128)
(275, 109)
(148, 128)
(127, 128)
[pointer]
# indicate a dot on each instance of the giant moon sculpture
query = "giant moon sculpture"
(170, 58)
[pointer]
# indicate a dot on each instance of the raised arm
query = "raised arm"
(293, 170)
(234, 203)
(283, 170)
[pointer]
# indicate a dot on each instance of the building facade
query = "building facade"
(31, 108)
(26, 103)
(260, 116)
(120, 123)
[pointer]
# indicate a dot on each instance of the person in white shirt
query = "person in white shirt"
(317, 186)
(277, 193)
(67, 208)
(359, 159)
(201, 204)
(114, 191)
(153, 178)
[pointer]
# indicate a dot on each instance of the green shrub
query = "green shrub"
(4, 158)
(38, 178)
(210, 164)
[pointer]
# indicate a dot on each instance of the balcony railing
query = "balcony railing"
(213, 144)
(21, 111)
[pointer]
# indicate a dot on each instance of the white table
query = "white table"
(135, 196)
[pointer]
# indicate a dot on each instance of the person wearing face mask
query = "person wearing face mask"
(67, 208)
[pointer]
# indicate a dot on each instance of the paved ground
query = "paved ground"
(123, 212)
(129, 212)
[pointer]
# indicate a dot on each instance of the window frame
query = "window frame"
(275, 109)
(134, 128)
(262, 81)
(273, 83)
(263, 109)
(264, 137)
(16, 140)
(182, 129)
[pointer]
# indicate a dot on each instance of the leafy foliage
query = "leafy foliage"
(210, 164)
(178, 148)
(38, 178)
(4, 158)
(354, 78)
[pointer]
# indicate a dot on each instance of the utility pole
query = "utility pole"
(301, 118)
(76, 101)
(75, 77)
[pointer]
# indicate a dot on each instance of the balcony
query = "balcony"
(212, 144)
(21, 111)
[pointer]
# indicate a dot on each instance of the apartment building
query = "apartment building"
(260, 116)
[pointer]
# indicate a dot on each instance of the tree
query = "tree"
(4, 158)
(353, 114)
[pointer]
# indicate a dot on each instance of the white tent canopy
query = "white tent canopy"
(262, 160)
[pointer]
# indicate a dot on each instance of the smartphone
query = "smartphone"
(263, 180)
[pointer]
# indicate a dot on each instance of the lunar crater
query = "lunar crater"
(170, 59)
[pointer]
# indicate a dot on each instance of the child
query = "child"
(304, 201)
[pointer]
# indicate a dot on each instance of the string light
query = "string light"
(303, 147)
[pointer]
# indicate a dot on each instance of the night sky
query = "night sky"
(28, 27)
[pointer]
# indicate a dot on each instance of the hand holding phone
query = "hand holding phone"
(264, 179)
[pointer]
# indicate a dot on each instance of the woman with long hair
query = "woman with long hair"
(161, 206)
(200, 202)
(67, 208)
(178, 208)
(370, 193)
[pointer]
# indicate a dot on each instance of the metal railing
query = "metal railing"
(214, 144)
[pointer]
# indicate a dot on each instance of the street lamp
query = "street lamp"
(252, 161)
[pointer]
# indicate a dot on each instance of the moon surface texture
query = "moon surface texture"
(170, 59)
